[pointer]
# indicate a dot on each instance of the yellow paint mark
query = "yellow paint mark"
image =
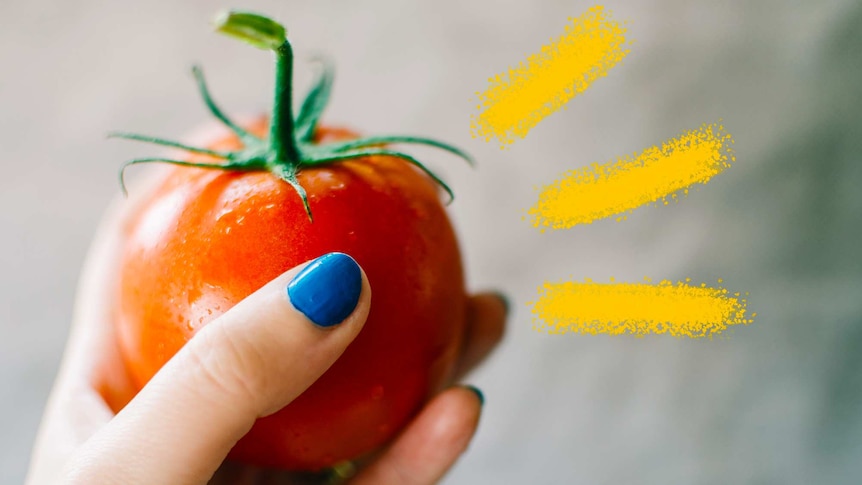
(637, 309)
(517, 101)
(598, 191)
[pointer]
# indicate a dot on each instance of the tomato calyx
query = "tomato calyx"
(290, 145)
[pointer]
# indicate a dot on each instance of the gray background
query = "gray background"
(775, 402)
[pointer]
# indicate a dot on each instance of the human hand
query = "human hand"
(236, 365)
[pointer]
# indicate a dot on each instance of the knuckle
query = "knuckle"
(230, 364)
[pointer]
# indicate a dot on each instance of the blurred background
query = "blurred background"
(775, 402)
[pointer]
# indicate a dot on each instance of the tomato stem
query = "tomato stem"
(290, 145)
(265, 33)
(281, 133)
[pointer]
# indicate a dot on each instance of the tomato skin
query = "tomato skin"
(206, 239)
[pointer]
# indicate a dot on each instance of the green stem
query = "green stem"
(281, 131)
(290, 147)
(265, 33)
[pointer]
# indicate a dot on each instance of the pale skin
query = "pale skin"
(236, 365)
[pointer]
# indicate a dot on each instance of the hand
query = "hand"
(164, 436)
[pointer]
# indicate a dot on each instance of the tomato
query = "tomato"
(207, 237)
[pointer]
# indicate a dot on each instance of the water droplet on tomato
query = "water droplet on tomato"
(226, 211)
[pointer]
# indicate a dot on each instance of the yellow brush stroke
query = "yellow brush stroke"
(637, 309)
(598, 191)
(518, 100)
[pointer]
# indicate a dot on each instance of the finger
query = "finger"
(486, 322)
(431, 444)
(248, 363)
(91, 379)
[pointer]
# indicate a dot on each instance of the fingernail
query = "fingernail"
(327, 290)
(505, 300)
(478, 394)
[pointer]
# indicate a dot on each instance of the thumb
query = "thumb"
(248, 363)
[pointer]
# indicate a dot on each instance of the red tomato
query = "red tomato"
(207, 238)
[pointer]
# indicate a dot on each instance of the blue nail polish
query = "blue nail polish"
(478, 394)
(505, 301)
(327, 290)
